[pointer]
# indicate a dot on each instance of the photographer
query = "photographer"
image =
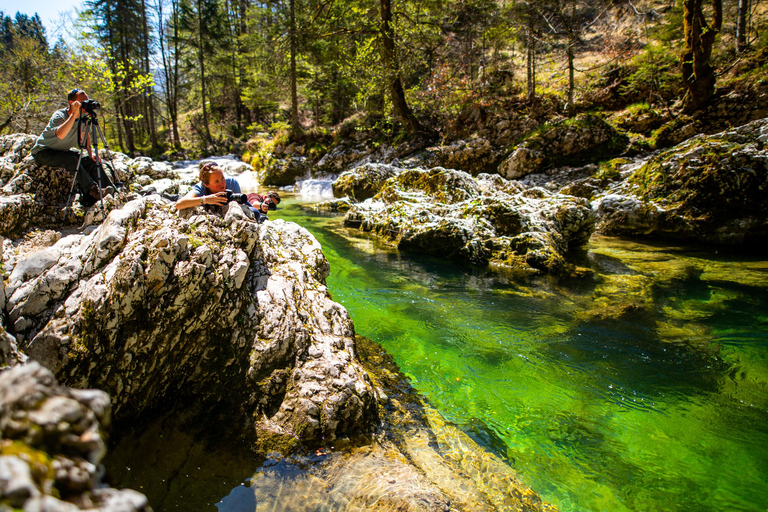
(264, 203)
(53, 147)
(211, 190)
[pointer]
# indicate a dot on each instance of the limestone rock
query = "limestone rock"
(476, 220)
(284, 171)
(363, 182)
(342, 157)
(708, 189)
(212, 308)
(145, 166)
(474, 156)
(585, 138)
(52, 445)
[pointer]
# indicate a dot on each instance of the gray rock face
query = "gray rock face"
(474, 156)
(583, 139)
(52, 445)
(478, 220)
(285, 171)
(708, 189)
(363, 182)
(213, 308)
(343, 156)
(29, 194)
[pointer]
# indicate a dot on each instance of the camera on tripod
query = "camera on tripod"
(90, 106)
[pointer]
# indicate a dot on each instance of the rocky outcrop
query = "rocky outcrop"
(209, 310)
(363, 182)
(708, 189)
(484, 220)
(583, 139)
(52, 443)
(30, 194)
(285, 171)
(475, 156)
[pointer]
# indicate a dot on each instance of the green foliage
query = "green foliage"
(655, 76)
(32, 76)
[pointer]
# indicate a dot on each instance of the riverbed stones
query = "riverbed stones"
(52, 444)
(479, 220)
(215, 309)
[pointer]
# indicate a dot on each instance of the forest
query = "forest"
(196, 77)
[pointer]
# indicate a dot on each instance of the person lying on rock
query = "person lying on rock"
(54, 147)
(264, 203)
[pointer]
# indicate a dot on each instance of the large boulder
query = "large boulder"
(29, 194)
(52, 442)
(285, 171)
(708, 189)
(474, 156)
(583, 139)
(212, 309)
(363, 182)
(479, 220)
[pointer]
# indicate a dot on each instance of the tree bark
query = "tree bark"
(295, 126)
(201, 61)
(392, 70)
(531, 59)
(148, 102)
(698, 73)
(741, 26)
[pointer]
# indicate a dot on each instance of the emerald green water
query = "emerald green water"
(642, 389)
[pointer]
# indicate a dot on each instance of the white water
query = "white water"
(314, 189)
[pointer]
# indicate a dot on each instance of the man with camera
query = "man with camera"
(53, 147)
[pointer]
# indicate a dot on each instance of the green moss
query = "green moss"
(40, 463)
(269, 441)
(610, 170)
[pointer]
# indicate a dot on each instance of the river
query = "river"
(642, 388)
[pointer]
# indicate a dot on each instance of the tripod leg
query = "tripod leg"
(71, 198)
(95, 144)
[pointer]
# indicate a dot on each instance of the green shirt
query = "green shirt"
(49, 140)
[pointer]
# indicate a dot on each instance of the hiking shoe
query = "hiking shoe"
(94, 191)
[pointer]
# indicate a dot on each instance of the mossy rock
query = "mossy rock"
(576, 141)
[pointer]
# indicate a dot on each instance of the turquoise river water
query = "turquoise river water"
(643, 388)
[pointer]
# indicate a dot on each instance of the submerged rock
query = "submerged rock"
(206, 310)
(53, 442)
(477, 220)
(708, 189)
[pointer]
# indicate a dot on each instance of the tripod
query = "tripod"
(89, 124)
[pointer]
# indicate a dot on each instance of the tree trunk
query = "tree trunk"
(741, 26)
(531, 60)
(242, 110)
(698, 73)
(201, 62)
(569, 106)
(295, 126)
(149, 108)
(174, 100)
(392, 70)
